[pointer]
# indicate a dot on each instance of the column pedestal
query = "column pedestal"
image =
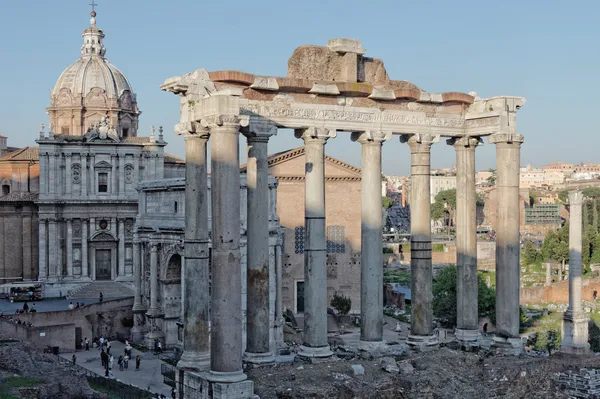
(205, 385)
(575, 333)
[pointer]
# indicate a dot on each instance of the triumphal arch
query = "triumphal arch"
(331, 91)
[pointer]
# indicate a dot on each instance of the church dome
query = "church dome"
(91, 89)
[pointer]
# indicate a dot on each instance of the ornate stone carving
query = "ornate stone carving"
(77, 228)
(129, 173)
(371, 136)
(508, 138)
(261, 128)
(464, 141)
(419, 139)
(481, 122)
(96, 98)
(102, 130)
(76, 173)
(220, 120)
(315, 133)
(575, 198)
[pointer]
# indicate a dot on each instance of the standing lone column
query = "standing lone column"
(196, 298)
(467, 316)
(42, 251)
(575, 320)
(315, 245)
(420, 239)
(155, 314)
(69, 248)
(371, 258)
(121, 260)
(226, 299)
(257, 302)
(137, 331)
(508, 160)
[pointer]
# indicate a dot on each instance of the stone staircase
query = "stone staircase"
(110, 289)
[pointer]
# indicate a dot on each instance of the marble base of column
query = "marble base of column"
(259, 358)
(575, 333)
(139, 329)
(507, 346)
(467, 337)
(217, 385)
(310, 352)
(194, 361)
(422, 342)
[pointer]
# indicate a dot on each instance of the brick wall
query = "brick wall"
(62, 335)
(558, 292)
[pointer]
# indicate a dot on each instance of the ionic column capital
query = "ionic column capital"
(575, 197)
(153, 247)
(371, 137)
(506, 138)
(464, 142)
(313, 134)
(192, 130)
(225, 120)
(419, 141)
(260, 131)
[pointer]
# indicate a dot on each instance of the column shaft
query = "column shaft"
(508, 155)
(68, 175)
(114, 175)
(121, 248)
(467, 320)
(315, 245)
(153, 279)
(575, 233)
(70, 248)
(137, 276)
(53, 241)
(84, 247)
(26, 240)
(196, 273)
(226, 299)
(84, 175)
(121, 174)
(257, 340)
(42, 251)
(371, 283)
(420, 240)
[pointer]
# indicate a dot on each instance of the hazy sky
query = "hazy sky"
(544, 50)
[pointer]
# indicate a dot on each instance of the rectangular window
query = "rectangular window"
(5, 189)
(102, 182)
(125, 132)
(64, 130)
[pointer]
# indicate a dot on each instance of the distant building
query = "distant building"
(538, 177)
(543, 214)
(441, 183)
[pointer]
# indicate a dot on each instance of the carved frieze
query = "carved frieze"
(76, 173)
(129, 173)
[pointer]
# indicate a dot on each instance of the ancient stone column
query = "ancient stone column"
(315, 245)
(575, 320)
(84, 175)
(508, 159)
(138, 306)
(84, 247)
(371, 258)
(196, 273)
(42, 251)
(548, 273)
(68, 175)
(114, 175)
(226, 299)
(467, 316)
(279, 320)
(121, 174)
(257, 315)
(69, 248)
(153, 279)
(420, 240)
(121, 259)
(54, 267)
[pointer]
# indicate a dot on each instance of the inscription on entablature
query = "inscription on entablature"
(482, 122)
(350, 116)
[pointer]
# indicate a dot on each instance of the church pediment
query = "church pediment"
(103, 236)
(103, 164)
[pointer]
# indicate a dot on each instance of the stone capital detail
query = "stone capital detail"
(371, 137)
(192, 129)
(315, 133)
(464, 142)
(260, 130)
(422, 141)
(220, 120)
(508, 138)
(575, 197)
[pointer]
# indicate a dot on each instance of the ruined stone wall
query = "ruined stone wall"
(61, 335)
(558, 292)
(18, 240)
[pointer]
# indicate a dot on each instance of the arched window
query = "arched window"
(5, 189)
(174, 267)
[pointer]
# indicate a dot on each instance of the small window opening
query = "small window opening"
(6, 189)
(102, 182)
(125, 132)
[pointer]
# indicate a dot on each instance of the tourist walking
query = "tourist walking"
(137, 363)
(108, 347)
(101, 298)
(126, 361)
(71, 307)
(104, 359)
(120, 363)
(87, 344)
(174, 393)
(26, 307)
(101, 343)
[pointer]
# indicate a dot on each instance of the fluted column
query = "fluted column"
(52, 173)
(138, 306)
(84, 246)
(421, 333)
(315, 245)
(84, 175)
(257, 172)
(508, 157)
(68, 175)
(53, 242)
(371, 281)
(467, 317)
(226, 299)
(575, 319)
(69, 248)
(196, 273)
(153, 279)
(121, 260)
(121, 173)
(42, 251)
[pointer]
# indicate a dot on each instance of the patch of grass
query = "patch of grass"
(17, 382)
(491, 274)
(101, 389)
(437, 248)
(397, 276)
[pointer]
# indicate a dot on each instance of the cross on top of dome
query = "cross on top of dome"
(92, 37)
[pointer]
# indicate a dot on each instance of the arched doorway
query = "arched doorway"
(103, 248)
(174, 267)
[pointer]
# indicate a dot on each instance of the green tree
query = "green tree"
(552, 341)
(444, 297)
(444, 206)
(563, 196)
(341, 303)
(387, 202)
(530, 254)
(492, 179)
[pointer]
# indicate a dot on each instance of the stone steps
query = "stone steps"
(110, 289)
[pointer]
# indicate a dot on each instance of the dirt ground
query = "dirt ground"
(444, 373)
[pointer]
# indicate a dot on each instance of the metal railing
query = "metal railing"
(169, 373)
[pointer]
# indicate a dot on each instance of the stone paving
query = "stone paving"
(149, 376)
(45, 305)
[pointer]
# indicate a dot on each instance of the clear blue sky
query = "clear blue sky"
(546, 51)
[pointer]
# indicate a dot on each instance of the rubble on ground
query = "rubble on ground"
(442, 373)
(59, 381)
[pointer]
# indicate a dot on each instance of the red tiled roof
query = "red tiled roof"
(24, 154)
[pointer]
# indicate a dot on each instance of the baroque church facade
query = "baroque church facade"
(94, 202)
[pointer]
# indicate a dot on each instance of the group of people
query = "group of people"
(77, 306)
(108, 360)
(26, 309)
